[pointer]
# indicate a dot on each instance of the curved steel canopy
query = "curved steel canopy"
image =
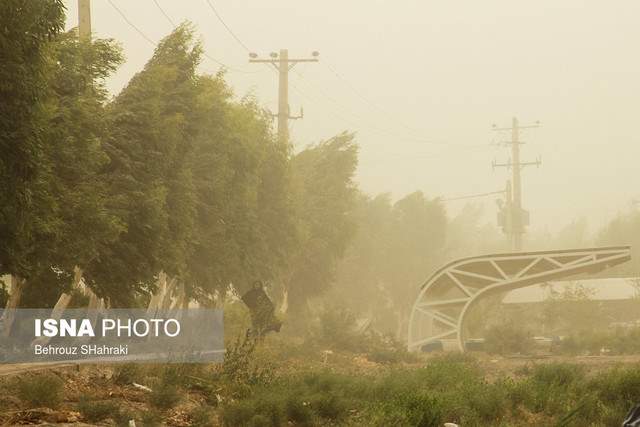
(444, 300)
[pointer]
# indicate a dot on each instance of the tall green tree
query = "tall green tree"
(324, 199)
(150, 150)
(28, 223)
(396, 247)
(74, 135)
(244, 213)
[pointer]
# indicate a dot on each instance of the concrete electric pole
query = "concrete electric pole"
(515, 219)
(283, 64)
(84, 20)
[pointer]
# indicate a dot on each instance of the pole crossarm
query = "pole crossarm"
(445, 299)
(283, 64)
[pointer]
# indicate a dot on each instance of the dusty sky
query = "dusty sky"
(435, 75)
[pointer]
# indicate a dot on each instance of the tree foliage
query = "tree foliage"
(324, 195)
(174, 174)
(396, 247)
(27, 224)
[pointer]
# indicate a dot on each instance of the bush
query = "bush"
(151, 418)
(617, 386)
(202, 417)
(553, 389)
(298, 411)
(450, 388)
(337, 330)
(128, 373)
(241, 366)
(164, 396)
(410, 409)
(619, 341)
(254, 412)
(182, 374)
(507, 339)
(328, 406)
(41, 390)
(97, 410)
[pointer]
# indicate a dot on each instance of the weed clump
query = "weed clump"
(94, 411)
(128, 373)
(202, 416)
(41, 390)
(151, 418)
(164, 396)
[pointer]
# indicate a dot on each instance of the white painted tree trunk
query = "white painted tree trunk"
(9, 315)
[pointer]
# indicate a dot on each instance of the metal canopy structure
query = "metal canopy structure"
(445, 299)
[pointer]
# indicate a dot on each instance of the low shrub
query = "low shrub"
(409, 409)
(336, 330)
(41, 390)
(164, 396)
(616, 341)
(202, 416)
(151, 418)
(128, 373)
(96, 410)
(262, 411)
(508, 339)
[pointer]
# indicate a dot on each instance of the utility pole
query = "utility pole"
(283, 64)
(84, 20)
(515, 219)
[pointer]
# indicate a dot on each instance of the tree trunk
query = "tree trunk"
(284, 306)
(9, 315)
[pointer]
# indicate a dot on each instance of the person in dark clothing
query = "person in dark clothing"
(263, 318)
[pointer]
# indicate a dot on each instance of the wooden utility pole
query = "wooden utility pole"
(84, 20)
(283, 64)
(516, 218)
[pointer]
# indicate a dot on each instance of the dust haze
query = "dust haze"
(396, 213)
(442, 73)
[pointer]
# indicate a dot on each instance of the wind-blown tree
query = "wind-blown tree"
(624, 229)
(364, 275)
(73, 137)
(421, 226)
(241, 176)
(395, 249)
(28, 222)
(324, 196)
(151, 149)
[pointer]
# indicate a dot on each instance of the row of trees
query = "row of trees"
(173, 174)
(396, 247)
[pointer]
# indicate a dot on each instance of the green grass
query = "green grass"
(447, 389)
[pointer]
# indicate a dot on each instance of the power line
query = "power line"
(367, 100)
(226, 26)
(154, 43)
(164, 13)
(131, 24)
(323, 92)
(473, 196)
(386, 132)
(414, 136)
